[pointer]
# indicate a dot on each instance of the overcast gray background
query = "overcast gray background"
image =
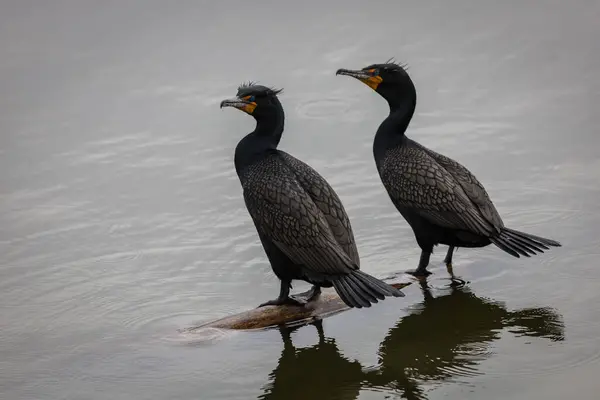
(121, 217)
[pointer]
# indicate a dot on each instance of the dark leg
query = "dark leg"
(426, 291)
(289, 351)
(421, 270)
(319, 325)
(309, 295)
(448, 259)
(286, 335)
(284, 297)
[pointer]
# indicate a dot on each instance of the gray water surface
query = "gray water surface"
(122, 220)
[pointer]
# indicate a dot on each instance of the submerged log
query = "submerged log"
(328, 304)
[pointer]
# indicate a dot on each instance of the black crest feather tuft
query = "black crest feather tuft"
(253, 88)
(393, 61)
(390, 64)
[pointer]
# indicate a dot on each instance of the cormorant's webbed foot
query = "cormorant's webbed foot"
(299, 300)
(421, 271)
(286, 301)
(309, 295)
(284, 297)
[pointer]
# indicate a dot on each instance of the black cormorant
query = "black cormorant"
(300, 220)
(439, 198)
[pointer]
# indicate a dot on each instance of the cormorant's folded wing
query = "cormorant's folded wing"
(285, 213)
(415, 181)
(472, 187)
(327, 201)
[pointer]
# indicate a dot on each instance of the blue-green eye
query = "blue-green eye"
(252, 98)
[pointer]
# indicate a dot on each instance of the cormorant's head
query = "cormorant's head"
(389, 79)
(256, 100)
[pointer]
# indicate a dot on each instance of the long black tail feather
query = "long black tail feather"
(519, 244)
(359, 289)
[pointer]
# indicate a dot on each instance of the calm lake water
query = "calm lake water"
(122, 220)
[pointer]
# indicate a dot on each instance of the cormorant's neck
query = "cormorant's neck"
(391, 131)
(270, 127)
(263, 140)
(401, 113)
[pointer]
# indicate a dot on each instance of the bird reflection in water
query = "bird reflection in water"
(314, 372)
(444, 339)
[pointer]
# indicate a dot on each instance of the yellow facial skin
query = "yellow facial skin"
(372, 81)
(248, 107)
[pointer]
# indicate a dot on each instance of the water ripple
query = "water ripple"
(583, 353)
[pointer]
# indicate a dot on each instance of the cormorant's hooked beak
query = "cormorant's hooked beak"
(241, 104)
(365, 76)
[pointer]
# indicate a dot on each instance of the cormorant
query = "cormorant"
(300, 220)
(439, 198)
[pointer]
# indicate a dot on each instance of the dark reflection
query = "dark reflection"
(315, 372)
(445, 338)
(449, 335)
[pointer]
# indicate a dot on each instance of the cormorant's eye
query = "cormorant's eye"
(251, 98)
